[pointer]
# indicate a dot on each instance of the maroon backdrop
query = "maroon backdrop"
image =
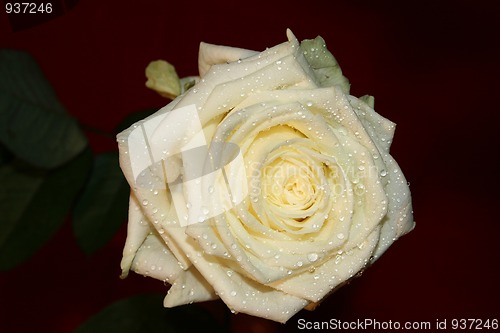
(433, 69)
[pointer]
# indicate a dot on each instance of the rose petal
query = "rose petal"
(154, 259)
(245, 295)
(137, 230)
(380, 129)
(189, 287)
(263, 67)
(399, 218)
(323, 277)
(210, 54)
(239, 293)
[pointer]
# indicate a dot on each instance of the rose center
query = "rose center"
(296, 190)
(290, 183)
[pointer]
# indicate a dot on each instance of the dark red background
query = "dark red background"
(433, 68)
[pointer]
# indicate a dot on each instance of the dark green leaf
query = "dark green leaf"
(133, 118)
(102, 208)
(5, 155)
(33, 124)
(146, 314)
(34, 203)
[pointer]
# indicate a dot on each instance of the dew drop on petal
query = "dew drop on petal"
(312, 257)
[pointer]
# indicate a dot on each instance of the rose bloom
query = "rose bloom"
(265, 184)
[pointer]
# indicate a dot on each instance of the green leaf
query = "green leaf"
(33, 124)
(369, 100)
(34, 203)
(5, 155)
(103, 206)
(146, 314)
(132, 118)
(324, 64)
(163, 79)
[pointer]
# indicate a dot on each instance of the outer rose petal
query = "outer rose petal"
(137, 231)
(399, 218)
(154, 259)
(245, 295)
(315, 284)
(239, 293)
(189, 287)
(210, 54)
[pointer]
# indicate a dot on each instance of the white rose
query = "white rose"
(308, 198)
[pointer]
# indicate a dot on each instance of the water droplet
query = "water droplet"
(145, 202)
(340, 236)
(312, 257)
(299, 263)
(383, 173)
(233, 293)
